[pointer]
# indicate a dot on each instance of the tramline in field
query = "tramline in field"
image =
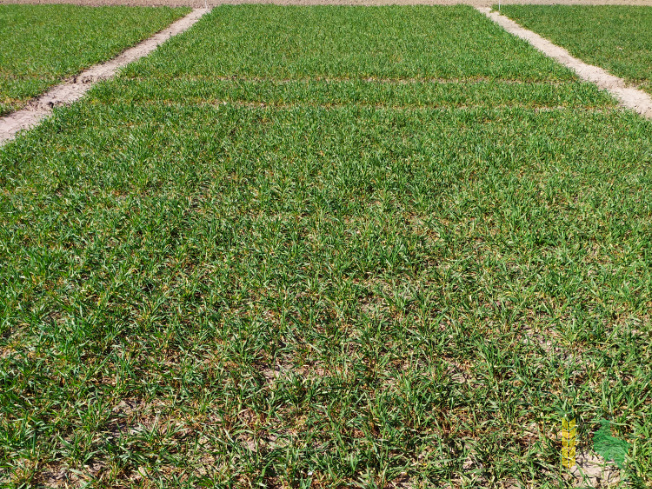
(42, 44)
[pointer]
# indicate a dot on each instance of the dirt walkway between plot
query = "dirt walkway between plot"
(212, 3)
(631, 98)
(69, 91)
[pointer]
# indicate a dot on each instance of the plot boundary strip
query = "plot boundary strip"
(631, 98)
(72, 90)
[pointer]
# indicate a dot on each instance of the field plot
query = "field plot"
(616, 38)
(41, 44)
(257, 259)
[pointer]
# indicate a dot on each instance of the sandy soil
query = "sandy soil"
(211, 3)
(73, 89)
(631, 98)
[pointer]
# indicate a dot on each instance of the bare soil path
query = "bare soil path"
(631, 98)
(73, 89)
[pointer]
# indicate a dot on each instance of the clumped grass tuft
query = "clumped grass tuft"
(42, 44)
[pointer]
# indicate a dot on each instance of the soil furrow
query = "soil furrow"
(630, 98)
(73, 89)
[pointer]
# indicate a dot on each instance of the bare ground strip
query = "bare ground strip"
(631, 98)
(69, 91)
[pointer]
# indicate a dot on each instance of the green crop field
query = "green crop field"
(397, 43)
(616, 38)
(41, 44)
(318, 247)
